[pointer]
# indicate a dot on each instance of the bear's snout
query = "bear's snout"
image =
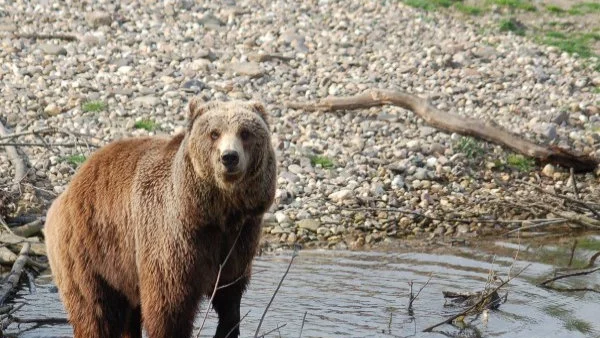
(230, 159)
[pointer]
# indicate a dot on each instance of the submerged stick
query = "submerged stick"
(451, 122)
(294, 254)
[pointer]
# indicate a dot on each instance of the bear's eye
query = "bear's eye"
(214, 135)
(244, 135)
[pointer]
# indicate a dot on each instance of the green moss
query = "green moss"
(148, 125)
(515, 4)
(324, 161)
(75, 160)
(512, 25)
(94, 106)
(520, 162)
(470, 147)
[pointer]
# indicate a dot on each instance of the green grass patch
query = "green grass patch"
(429, 5)
(589, 243)
(148, 125)
(324, 161)
(573, 44)
(470, 147)
(597, 90)
(512, 25)
(75, 160)
(515, 4)
(520, 162)
(93, 106)
(574, 324)
(555, 9)
(470, 10)
(584, 8)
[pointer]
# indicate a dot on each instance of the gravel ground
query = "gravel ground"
(142, 61)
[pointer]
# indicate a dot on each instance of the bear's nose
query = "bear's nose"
(230, 159)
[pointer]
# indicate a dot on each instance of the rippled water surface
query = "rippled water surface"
(354, 294)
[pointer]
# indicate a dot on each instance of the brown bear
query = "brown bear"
(139, 234)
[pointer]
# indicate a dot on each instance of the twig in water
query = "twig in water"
(539, 224)
(217, 281)
(578, 273)
(302, 326)
(483, 300)
(275, 329)
(573, 247)
(294, 254)
(238, 324)
(412, 299)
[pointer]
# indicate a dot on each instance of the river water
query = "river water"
(365, 294)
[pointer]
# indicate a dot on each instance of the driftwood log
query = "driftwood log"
(454, 123)
(15, 274)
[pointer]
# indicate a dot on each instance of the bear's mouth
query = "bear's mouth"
(232, 177)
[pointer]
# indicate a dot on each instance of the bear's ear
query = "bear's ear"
(259, 109)
(196, 108)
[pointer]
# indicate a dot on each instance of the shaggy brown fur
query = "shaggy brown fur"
(139, 234)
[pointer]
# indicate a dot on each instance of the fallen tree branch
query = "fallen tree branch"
(451, 122)
(8, 239)
(578, 201)
(29, 229)
(14, 157)
(15, 274)
(482, 301)
(412, 297)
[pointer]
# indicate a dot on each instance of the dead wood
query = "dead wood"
(15, 274)
(485, 299)
(28, 229)
(7, 257)
(451, 122)
(14, 157)
(9, 239)
(413, 297)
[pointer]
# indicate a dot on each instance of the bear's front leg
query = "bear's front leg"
(169, 301)
(227, 305)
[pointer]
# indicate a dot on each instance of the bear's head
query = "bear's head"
(228, 141)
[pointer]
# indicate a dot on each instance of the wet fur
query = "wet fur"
(139, 234)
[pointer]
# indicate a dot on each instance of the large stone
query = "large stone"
(309, 224)
(341, 195)
(97, 19)
(52, 49)
(251, 69)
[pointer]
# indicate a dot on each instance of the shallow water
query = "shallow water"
(354, 294)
